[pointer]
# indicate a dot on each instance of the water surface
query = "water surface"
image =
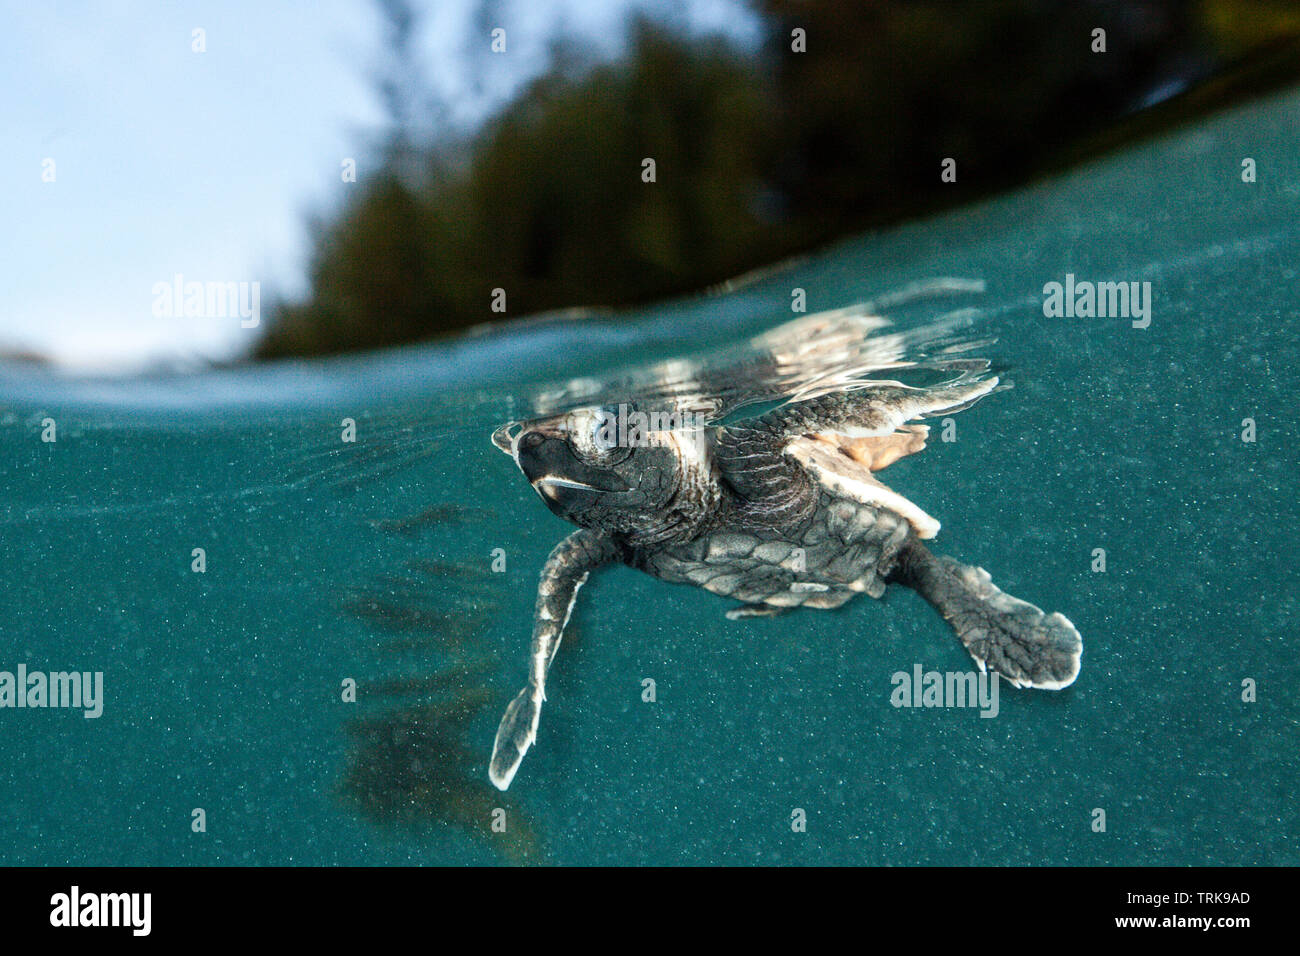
(372, 560)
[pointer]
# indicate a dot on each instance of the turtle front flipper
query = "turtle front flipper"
(565, 572)
(876, 410)
(765, 460)
(1011, 637)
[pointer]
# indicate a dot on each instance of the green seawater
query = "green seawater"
(371, 561)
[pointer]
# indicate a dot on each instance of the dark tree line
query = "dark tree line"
(758, 154)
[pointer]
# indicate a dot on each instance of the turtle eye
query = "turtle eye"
(602, 442)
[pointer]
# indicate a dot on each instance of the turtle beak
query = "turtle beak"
(505, 437)
(550, 466)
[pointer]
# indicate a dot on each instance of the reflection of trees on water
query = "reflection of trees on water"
(414, 761)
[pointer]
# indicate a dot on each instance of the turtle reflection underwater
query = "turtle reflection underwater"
(778, 511)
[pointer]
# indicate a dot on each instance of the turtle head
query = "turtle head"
(608, 469)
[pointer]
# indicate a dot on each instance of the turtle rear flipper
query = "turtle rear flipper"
(1004, 634)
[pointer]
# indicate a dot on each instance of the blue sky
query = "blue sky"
(168, 161)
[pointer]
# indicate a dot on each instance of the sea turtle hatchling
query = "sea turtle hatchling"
(778, 511)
